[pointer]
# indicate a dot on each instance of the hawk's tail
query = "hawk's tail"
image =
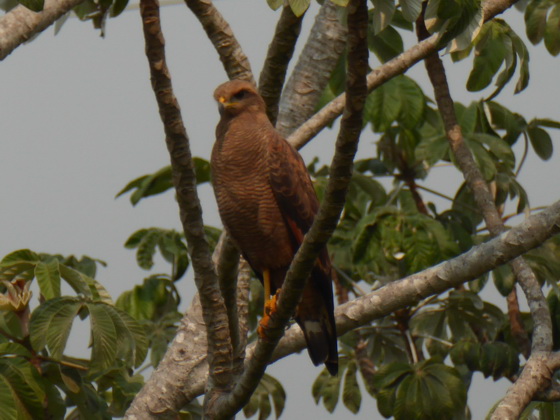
(315, 316)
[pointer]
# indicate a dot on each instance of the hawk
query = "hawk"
(267, 204)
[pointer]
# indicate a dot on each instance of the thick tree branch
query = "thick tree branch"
(177, 379)
(535, 375)
(20, 23)
(326, 220)
(184, 180)
(380, 75)
(409, 291)
(278, 57)
(448, 275)
(312, 72)
(219, 32)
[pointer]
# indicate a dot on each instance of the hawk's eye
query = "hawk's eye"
(239, 95)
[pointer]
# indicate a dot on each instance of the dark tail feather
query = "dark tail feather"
(322, 346)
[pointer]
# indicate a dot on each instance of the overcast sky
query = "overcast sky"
(78, 121)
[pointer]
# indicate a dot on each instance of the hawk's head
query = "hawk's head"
(237, 96)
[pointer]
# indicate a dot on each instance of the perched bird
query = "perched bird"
(267, 203)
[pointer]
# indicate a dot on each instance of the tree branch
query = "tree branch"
(380, 75)
(278, 57)
(325, 222)
(236, 63)
(184, 180)
(409, 291)
(312, 72)
(530, 234)
(177, 379)
(535, 376)
(20, 23)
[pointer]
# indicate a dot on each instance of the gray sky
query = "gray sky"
(79, 120)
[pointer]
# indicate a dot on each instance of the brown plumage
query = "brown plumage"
(267, 203)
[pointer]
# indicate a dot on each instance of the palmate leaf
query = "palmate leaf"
(428, 389)
(351, 394)
(151, 300)
(51, 323)
(400, 99)
(170, 244)
(497, 46)
(269, 393)
(161, 180)
(327, 387)
(498, 360)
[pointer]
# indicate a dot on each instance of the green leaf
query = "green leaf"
(103, 337)
(21, 393)
(275, 4)
(487, 61)
(535, 20)
(351, 394)
(268, 389)
(34, 5)
(51, 323)
(498, 359)
(84, 285)
(148, 185)
(15, 349)
(552, 31)
(411, 9)
(132, 342)
(383, 11)
(483, 159)
(502, 118)
(432, 390)
(299, 7)
(386, 45)
(432, 149)
(118, 7)
(48, 277)
(541, 141)
(19, 263)
(399, 99)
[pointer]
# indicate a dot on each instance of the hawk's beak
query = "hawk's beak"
(224, 104)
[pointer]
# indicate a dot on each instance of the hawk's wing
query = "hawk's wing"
(292, 186)
(299, 204)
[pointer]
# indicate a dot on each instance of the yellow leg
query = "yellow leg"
(266, 283)
(269, 305)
